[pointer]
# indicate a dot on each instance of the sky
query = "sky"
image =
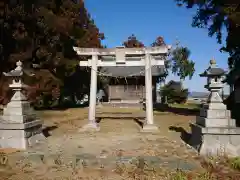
(152, 18)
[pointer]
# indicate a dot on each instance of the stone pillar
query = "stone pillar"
(92, 125)
(149, 124)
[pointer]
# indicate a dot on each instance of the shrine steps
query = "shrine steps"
(122, 105)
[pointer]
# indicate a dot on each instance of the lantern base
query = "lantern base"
(216, 141)
(20, 135)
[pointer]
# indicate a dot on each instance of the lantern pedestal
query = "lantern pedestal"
(19, 125)
(215, 133)
(216, 141)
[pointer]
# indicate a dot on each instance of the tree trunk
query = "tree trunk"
(231, 88)
(159, 92)
(165, 100)
(181, 82)
(222, 94)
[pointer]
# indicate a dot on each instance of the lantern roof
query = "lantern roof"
(213, 70)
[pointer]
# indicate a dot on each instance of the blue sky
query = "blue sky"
(152, 18)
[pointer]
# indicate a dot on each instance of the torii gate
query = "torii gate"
(120, 56)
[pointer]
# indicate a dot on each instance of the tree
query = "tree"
(158, 42)
(217, 15)
(174, 93)
(162, 78)
(132, 42)
(181, 65)
(41, 33)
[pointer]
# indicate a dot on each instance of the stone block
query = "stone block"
(215, 122)
(217, 106)
(19, 118)
(149, 128)
(215, 113)
(5, 125)
(20, 136)
(210, 141)
(93, 126)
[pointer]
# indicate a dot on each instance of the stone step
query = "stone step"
(122, 105)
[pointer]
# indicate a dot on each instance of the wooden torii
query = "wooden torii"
(120, 56)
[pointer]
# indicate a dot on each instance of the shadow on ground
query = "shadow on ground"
(175, 110)
(139, 122)
(46, 130)
(59, 108)
(185, 136)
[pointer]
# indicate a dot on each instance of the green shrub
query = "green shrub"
(174, 93)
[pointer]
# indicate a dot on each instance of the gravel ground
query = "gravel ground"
(70, 154)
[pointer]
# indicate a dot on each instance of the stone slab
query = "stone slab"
(5, 125)
(215, 113)
(120, 116)
(36, 139)
(22, 143)
(150, 128)
(90, 127)
(215, 106)
(21, 138)
(215, 122)
(217, 130)
(18, 118)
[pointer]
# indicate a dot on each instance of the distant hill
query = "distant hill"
(195, 94)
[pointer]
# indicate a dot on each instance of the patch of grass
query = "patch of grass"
(179, 175)
(222, 167)
(140, 170)
(3, 159)
(215, 168)
(235, 163)
(190, 106)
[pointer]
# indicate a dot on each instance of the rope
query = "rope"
(110, 75)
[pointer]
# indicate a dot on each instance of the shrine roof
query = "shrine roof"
(125, 71)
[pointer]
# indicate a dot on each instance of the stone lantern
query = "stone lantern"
(214, 84)
(19, 125)
(214, 132)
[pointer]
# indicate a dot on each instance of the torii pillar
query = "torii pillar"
(149, 122)
(92, 124)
